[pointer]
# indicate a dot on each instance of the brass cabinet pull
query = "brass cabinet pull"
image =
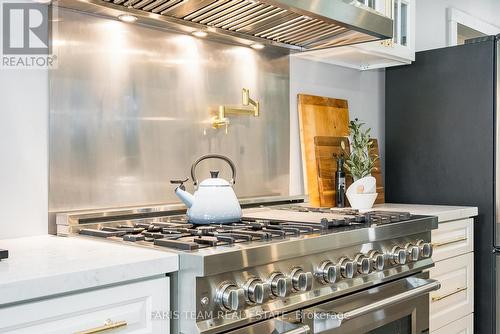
(444, 243)
(108, 325)
(438, 298)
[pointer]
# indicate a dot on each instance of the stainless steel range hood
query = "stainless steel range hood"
(295, 24)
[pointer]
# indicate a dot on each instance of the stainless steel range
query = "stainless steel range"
(285, 268)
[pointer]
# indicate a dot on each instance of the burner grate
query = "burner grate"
(384, 217)
(177, 233)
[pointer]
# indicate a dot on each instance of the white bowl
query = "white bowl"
(361, 201)
(365, 185)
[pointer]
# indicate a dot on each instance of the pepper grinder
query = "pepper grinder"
(339, 182)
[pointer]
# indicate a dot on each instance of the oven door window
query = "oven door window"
(399, 307)
(406, 318)
(400, 326)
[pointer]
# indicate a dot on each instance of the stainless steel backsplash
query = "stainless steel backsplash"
(130, 109)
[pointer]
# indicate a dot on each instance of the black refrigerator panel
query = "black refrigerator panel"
(440, 139)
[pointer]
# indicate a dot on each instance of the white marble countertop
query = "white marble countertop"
(443, 212)
(48, 265)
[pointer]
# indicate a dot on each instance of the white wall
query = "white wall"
(23, 148)
(364, 91)
(432, 22)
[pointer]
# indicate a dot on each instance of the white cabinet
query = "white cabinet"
(398, 51)
(452, 239)
(133, 308)
(455, 299)
(452, 306)
(464, 325)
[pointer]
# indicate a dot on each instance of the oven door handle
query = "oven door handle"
(323, 319)
(431, 285)
(300, 330)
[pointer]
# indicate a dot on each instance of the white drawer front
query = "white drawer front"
(129, 307)
(452, 239)
(462, 326)
(455, 299)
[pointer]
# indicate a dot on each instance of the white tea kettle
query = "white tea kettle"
(214, 202)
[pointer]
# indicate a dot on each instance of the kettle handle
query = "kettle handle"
(212, 156)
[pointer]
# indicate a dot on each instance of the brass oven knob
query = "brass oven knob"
(230, 297)
(327, 272)
(413, 252)
(257, 291)
(377, 260)
(425, 248)
(279, 285)
(363, 264)
(347, 267)
(398, 255)
(301, 281)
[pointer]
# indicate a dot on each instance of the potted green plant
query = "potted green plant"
(360, 163)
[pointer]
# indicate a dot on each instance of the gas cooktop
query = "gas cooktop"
(175, 232)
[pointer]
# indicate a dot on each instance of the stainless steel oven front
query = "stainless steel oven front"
(398, 307)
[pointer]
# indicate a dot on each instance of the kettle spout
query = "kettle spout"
(185, 197)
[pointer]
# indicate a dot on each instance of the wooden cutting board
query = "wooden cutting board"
(318, 116)
(377, 173)
(325, 148)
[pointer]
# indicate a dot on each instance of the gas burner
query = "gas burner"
(206, 230)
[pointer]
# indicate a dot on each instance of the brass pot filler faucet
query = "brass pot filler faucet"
(250, 107)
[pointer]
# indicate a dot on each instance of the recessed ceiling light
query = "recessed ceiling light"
(127, 18)
(199, 33)
(257, 46)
